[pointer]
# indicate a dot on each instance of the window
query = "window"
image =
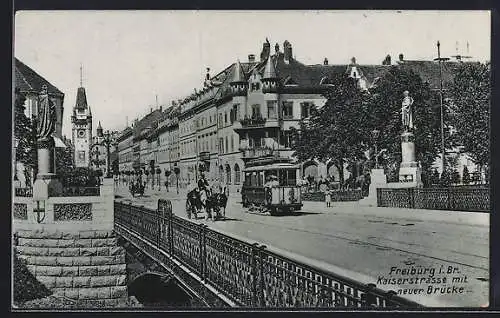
(305, 109)
(227, 145)
(287, 110)
(237, 174)
(228, 174)
(232, 143)
(271, 109)
(256, 111)
(81, 155)
(221, 145)
(225, 118)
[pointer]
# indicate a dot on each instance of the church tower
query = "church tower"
(81, 121)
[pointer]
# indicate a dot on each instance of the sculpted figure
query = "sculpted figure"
(406, 111)
(46, 115)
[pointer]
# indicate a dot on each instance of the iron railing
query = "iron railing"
(248, 274)
(336, 196)
(79, 192)
(453, 198)
(23, 192)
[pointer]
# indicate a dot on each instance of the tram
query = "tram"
(272, 186)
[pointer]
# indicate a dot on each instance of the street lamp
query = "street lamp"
(107, 142)
(375, 135)
(440, 59)
(16, 144)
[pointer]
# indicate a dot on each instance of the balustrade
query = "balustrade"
(248, 274)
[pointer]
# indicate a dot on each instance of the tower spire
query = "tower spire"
(81, 75)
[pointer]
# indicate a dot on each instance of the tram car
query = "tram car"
(273, 187)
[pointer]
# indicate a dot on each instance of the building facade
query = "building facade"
(246, 112)
(30, 85)
(81, 137)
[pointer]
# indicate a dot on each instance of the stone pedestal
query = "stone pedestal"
(409, 171)
(377, 180)
(46, 183)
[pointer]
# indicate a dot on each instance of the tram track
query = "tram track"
(357, 241)
(378, 246)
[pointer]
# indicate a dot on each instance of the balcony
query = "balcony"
(256, 121)
(250, 153)
(204, 156)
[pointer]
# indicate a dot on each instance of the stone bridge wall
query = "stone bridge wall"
(87, 266)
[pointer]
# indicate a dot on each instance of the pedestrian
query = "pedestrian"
(328, 198)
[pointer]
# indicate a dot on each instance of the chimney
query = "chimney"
(287, 50)
(151, 109)
(207, 77)
(266, 50)
(277, 49)
(387, 60)
(161, 108)
(325, 61)
(401, 57)
(251, 58)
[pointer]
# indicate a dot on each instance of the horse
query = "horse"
(137, 187)
(193, 203)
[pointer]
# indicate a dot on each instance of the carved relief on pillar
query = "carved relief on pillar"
(45, 143)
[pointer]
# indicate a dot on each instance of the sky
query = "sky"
(130, 57)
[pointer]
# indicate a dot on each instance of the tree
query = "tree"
(335, 131)
(385, 116)
(64, 160)
(471, 94)
(23, 131)
(465, 176)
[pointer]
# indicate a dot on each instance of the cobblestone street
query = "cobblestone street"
(364, 243)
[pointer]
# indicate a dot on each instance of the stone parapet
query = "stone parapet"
(86, 266)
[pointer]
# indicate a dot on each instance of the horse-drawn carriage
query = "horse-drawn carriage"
(280, 194)
(137, 187)
(213, 204)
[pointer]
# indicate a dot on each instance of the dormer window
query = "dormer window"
(290, 82)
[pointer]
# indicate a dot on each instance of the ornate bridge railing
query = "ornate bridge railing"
(337, 196)
(248, 274)
(72, 191)
(453, 198)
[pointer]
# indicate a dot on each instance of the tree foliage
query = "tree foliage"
(385, 116)
(471, 94)
(336, 131)
(341, 130)
(64, 160)
(23, 131)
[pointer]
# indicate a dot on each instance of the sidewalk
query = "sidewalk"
(445, 216)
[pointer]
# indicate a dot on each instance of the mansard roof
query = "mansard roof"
(27, 80)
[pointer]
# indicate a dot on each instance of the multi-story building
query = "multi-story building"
(246, 111)
(30, 85)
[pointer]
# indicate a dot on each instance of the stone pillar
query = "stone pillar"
(46, 183)
(377, 180)
(409, 171)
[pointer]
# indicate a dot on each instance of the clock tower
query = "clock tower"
(81, 121)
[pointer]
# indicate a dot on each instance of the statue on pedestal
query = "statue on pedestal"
(46, 117)
(406, 111)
